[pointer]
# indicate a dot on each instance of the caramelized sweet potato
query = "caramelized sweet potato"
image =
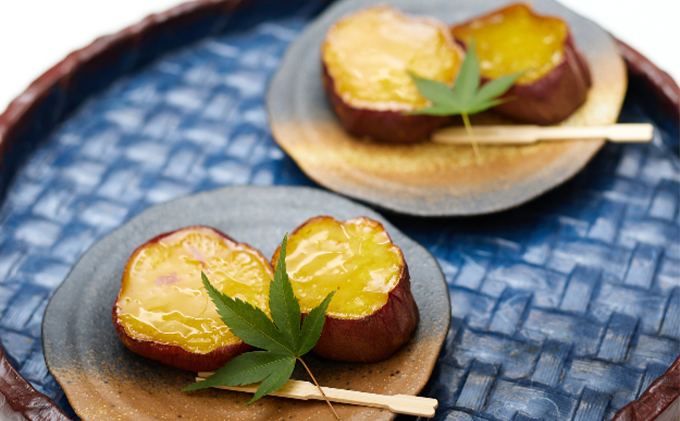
(366, 58)
(373, 313)
(163, 312)
(514, 39)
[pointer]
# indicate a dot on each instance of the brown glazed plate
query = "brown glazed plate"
(103, 380)
(429, 179)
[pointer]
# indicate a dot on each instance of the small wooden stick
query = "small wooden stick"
(297, 389)
(523, 134)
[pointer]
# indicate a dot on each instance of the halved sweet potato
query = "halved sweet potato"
(366, 58)
(372, 313)
(163, 312)
(513, 39)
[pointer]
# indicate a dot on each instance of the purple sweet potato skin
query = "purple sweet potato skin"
(171, 354)
(380, 126)
(553, 97)
(372, 338)
(375, 337)
(177, 356)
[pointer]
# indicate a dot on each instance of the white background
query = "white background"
(36, 34)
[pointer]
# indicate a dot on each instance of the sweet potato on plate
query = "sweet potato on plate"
(163, 312)
(372, 314)
(366, 58)
(514, 39)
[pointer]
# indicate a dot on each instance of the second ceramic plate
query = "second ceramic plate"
(105, 381)
(429, 179)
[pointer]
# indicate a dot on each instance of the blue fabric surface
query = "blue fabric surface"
(566, 308)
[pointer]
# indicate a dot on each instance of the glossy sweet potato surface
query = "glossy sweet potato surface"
(365, 72)
(380, 125)
(163, 312)
(372, 338)
(557, 77)
(178, 357)
(554, 97)
(350, 333)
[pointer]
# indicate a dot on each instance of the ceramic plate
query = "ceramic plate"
(429, 179)
(105, 381)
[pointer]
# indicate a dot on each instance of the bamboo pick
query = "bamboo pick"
(297, 389)
(523, 134)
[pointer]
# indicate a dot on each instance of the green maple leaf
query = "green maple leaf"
(466, 96)
(283, 340)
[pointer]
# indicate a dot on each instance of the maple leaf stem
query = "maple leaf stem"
(319, 387)
(468, 129)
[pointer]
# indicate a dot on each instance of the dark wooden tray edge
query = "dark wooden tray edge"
(58, 87)
(654, 401)
(23, 397)
(665, 90)
(16, 121)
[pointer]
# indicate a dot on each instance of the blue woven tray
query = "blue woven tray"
(563, 309)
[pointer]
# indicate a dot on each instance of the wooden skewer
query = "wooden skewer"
(630, 132)
(297, 389)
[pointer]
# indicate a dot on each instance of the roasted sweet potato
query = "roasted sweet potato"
(366, 58)
(514, 39)
(163, 312)
(373, 312)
